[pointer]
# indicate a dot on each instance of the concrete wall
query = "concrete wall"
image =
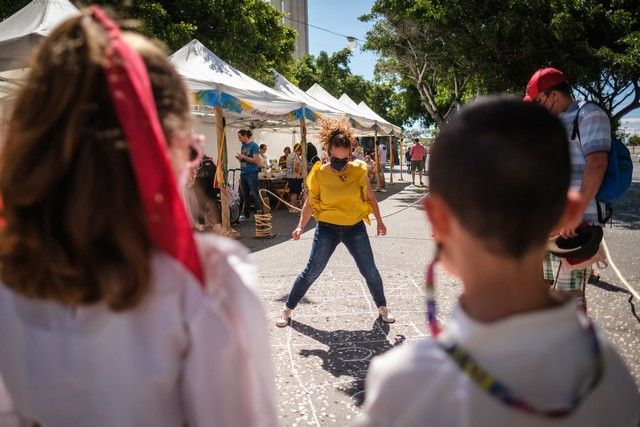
(298, 11)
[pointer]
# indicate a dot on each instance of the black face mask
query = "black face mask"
(338, 164)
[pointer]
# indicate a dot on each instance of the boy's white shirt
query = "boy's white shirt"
(184, 355)
(543, 357)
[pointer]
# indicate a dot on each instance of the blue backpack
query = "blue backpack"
(617, 177)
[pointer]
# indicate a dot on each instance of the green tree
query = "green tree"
(634, 140)
(453, 50)
(248, 34)
(9, 7)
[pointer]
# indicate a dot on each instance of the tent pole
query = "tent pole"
(303, 143)
(391, 160)
(401, 156)
(224, 198)
(375, 153)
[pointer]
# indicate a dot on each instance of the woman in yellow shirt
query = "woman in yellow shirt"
(340, 199)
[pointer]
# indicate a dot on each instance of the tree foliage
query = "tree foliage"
(248, 34)
(453, 50)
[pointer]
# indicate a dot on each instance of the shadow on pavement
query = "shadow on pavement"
(349, 352)
(626, 211)
(606, 286)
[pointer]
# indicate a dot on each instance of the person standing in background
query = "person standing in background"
(382, 162)
(341, 199)
(264, 159)
(418, 154)
(589, 146)
(282, 161)
(250, 161)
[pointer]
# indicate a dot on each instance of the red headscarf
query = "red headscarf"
(130, 89)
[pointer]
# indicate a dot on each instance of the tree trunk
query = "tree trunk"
(429, 104)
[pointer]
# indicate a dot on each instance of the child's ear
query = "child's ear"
(572, 211)
(439, 216)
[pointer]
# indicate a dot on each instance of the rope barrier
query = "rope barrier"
(406, 207)
(615, 269)
(263, 226)
(277, 197)
(263, 221)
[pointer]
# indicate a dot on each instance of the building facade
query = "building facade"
(296, 16)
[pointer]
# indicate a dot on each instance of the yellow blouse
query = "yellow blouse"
(339, 198)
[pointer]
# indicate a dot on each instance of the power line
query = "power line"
(350, 38)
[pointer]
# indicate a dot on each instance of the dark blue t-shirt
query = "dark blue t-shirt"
(249, 150)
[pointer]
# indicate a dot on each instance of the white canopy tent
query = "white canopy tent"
(236, 100)
(292, 91)
(273, 113)
(20, 32)
(383, 126)
(397, 130)
(215, 83)
(359, 121)
(278, 138)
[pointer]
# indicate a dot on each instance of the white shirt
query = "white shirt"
(382, 154)
(184, 355)
(543, 357)
(264, 161)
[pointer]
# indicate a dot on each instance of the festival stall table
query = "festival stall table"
(277, 184)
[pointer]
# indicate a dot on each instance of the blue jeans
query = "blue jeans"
(249, 190)
(325, 240)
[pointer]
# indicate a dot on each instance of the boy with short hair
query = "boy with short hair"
(499, 181)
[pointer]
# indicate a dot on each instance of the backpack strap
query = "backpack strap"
(605, 211)
(575, 132)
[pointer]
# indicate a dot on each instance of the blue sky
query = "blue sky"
(341, 16)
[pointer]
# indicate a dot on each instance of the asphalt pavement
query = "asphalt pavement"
(322, 359)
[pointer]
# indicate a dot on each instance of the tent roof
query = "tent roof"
(9, 82)
(20, 32)
(367, 112)
(292, 91)
(397, 130)
(319, 93)
(217, 83)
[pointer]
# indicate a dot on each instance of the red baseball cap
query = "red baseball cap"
(543, 80)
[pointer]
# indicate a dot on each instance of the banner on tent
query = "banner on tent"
(209, 99)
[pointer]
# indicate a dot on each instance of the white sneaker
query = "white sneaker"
(383, 190)
(284, 319)
(385, 315)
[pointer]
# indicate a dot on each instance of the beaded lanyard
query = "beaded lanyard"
(488, 382)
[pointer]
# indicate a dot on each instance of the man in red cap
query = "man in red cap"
(589, 133)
